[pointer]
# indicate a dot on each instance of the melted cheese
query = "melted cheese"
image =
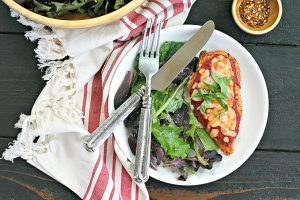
(215, 113)
(221, 66)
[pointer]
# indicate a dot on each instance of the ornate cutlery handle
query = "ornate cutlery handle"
(142, 157)
(99, 136)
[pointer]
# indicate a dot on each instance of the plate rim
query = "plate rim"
(265, 117)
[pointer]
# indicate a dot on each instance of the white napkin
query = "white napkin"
(79, 65)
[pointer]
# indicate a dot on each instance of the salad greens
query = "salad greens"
(62, 8)
(208, 143)
(169, 100)
(178, 139)
(193, 124)
(168, 49)
(169, 138)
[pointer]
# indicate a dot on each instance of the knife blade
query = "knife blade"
(169, 71)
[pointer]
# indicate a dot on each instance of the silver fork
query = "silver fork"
(148, 65)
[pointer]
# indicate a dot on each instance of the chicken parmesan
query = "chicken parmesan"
(215, 97)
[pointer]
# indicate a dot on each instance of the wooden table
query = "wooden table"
(272, 172)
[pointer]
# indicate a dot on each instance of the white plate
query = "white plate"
(254, 98)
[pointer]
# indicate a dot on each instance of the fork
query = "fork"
(148, 65)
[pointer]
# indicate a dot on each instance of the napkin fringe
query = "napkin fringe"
(61, 76)
(49, 47)
(25, 145)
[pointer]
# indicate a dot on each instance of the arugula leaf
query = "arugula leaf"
(193, 119)
(222, 82)
(203, 94)
(39, 7)
(169, 139)
(204, 106)
(213, 87)
(194, 123)
(98, 5)
(199, 150)
(177, 101)
(208, 142)
(218, 90)
(119, 4)
(106, 7)
(223, 104)
(168, 100)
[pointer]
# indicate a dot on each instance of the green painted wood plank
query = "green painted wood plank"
(287, 32)
(280, 67)
(266, 175)
(7, 23)
(20, 80)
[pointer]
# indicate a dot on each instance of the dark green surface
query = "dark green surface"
(287, 31)
(272, 172)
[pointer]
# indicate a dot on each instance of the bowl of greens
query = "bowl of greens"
(73, 13)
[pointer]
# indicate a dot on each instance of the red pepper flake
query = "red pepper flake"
(255, 13)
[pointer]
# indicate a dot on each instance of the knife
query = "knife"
(160, 81)
(182, 57)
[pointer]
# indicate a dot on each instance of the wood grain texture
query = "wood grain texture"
(20, 80)
(9, 24)
(266, 175)
(20, 180)
(287, 31)
(220, 12)
(281, 69)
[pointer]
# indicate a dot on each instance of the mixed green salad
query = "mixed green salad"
(63, 8)
(178, 139)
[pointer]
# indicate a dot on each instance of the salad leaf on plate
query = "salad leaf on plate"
(193, 124)
(199, 150)
(209, 144)
(169, 138)
(181, 117)
(168, 100)
(168, 49)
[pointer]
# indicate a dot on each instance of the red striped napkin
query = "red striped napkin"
(79, 67)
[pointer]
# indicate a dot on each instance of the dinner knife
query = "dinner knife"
(166, 74)
(182, 57)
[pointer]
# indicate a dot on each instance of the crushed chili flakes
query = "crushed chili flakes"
(255, 13)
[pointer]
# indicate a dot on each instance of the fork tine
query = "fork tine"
(155, 41)
(142, 46)
(148, 40)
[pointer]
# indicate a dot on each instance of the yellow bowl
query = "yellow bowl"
(275, 16)
(76, 21)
